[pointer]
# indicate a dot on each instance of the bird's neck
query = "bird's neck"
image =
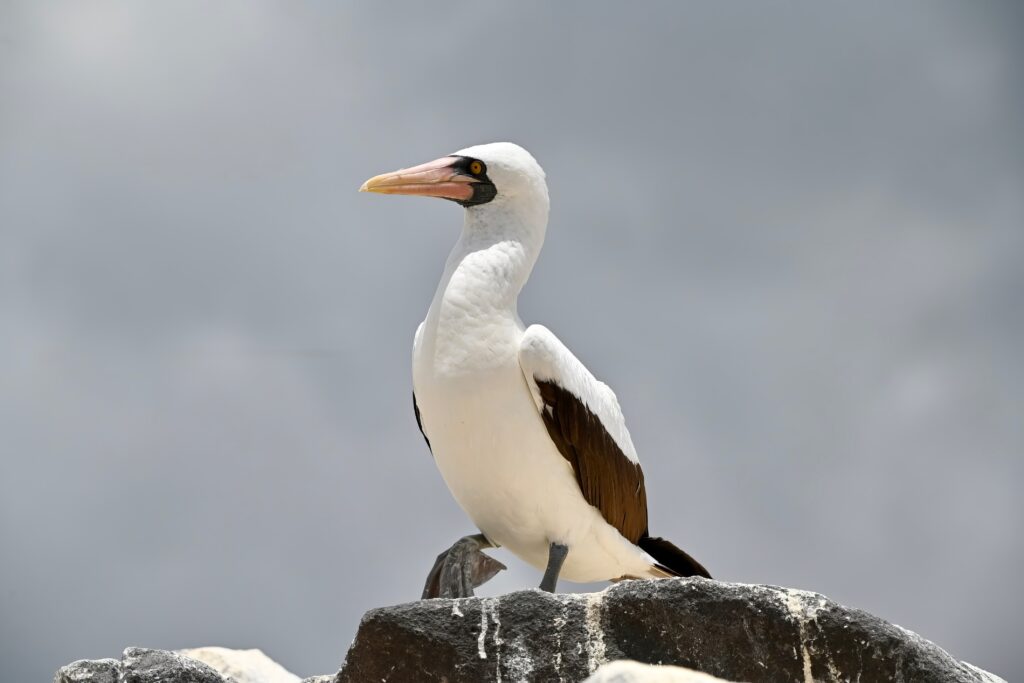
(492, 260)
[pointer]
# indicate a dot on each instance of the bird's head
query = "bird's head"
(495, 173)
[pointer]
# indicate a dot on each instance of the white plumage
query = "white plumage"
(476, 404)
(478, 371)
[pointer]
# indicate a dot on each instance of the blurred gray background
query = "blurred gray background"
(790, 236)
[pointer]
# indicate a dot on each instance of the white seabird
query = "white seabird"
(532, 446)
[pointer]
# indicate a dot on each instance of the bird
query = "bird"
(533, 447)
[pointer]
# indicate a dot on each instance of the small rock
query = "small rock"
(199, 665)
(140, 665)
(89, 671)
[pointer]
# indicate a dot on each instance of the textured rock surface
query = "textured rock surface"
(736, 632)
(89, 671)
(140, 665)
(626, 671)
(732, 631)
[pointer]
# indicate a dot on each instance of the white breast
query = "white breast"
(487, 436)
(494, 453)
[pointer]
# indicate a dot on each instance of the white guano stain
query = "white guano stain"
(495, 604)
(482, 638)
(518, 662)
(456, 612)
(595, 633)
(795, 607)
(803, 606)
(558, 625)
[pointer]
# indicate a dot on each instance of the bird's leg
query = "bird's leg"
(461, 568)
(556, 556)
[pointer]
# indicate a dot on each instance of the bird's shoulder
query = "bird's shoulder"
(544, 359)
(417, 338)
(585, 423)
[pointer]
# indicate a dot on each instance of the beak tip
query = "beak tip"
(365, 187)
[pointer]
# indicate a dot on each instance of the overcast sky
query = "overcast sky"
(790, 236)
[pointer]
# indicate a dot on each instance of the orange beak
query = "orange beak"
(435, 179)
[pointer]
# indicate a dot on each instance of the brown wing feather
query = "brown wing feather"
(609, 480)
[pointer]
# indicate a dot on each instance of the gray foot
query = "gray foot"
(556, 556)
(461, 568)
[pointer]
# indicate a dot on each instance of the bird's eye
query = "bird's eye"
(476, 168)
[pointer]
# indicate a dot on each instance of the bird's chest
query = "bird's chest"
(466, 370)
(465, 338)
(474, 403)
(493, 451)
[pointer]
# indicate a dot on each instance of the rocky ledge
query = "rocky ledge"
(736, 632)
(732, 631)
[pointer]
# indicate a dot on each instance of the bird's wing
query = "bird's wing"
(419, 421)
(585, 422)
(416, 406)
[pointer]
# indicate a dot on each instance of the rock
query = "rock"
(684, 626)
(733, 631)
(626, 671)
(139, 665)
(201, 665)
(248, 666)
(89, 671)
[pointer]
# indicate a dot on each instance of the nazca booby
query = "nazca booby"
(532, 446)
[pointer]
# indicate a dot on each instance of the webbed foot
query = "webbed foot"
(461, 568)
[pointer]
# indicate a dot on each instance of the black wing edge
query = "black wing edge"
(672, 559)
(419, 422)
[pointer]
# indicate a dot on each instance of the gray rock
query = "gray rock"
(139, 665)
(733, 631)
(89, 671)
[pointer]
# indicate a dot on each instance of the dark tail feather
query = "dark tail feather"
(672, 559)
